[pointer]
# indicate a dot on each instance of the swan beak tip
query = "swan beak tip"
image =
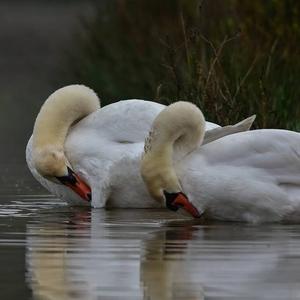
(174, 201)
(77, 185)
(82, 189)
(188, 207)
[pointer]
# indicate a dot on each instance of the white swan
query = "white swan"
(101, 152)
(249, 176)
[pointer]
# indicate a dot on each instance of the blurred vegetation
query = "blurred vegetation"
(232, 58)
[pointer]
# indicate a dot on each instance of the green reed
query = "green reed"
(232, 58)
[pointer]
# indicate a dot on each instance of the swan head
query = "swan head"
(163, 184)
(52, 164)
(61, 110)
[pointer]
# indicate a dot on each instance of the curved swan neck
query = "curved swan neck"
(59, 112)
(176, 132)
(64, 107)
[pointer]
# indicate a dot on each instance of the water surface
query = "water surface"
(51, 251)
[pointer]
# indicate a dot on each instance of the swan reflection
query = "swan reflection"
(109, 255)
(165, 271)
(142, 255)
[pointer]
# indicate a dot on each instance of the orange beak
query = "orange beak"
(174, 201)
(81, 188)
(75, 183)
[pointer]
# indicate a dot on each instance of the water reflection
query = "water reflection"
(87, 256)
(59, 252)
(140, 254)
(165, 272)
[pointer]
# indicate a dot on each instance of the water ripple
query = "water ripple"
(52, 251)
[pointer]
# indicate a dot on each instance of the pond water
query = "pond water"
(51, 251)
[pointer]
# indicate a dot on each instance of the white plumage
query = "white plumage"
(248, 176)
(105, 148)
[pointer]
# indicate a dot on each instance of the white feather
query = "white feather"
(105, 149)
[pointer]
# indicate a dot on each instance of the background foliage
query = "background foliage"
(232, 58)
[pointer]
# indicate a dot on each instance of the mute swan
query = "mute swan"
(101, 152)
(249, 176)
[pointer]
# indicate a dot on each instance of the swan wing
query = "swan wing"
(248, 176)
(267, 149)
(218, 132)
